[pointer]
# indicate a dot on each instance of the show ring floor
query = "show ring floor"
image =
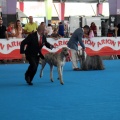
(86, 95)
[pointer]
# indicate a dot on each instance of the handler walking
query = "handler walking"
(34, 41)
(73, 44)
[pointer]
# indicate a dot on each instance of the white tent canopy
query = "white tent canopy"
(20, 13)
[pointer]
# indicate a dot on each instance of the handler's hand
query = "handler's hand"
(83, 49)
(51, 47)
(23, 57)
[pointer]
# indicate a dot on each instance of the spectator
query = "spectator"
(3, 30)
(30, 27)
(18, 29)
(73, 44)
(55, 34)
(54, 26)
(61, 29)
(11, 30)
(43, 24)
(104, 26)
(3, 33)
(49, 30)
(91, 34)
(94, 28)
(111, 32)
(66, 30)
(117, 33)
(88, 34)
(117, 30)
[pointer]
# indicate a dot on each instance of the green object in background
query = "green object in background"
(48, 9)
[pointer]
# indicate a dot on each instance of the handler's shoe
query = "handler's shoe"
(27, 78)
(29, 83)
(76, 69)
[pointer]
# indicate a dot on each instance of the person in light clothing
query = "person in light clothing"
(50, 30)
(30, 27)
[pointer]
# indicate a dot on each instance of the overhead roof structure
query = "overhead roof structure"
(82, 1)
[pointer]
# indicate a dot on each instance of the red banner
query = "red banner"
(103, 46)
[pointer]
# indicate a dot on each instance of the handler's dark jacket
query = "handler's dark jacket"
(32, 45)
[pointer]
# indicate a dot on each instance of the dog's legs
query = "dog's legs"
(43, 63)
(100, 63)
(61, 72)
(51, 73)
(60, 69)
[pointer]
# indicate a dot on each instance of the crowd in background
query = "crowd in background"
(16, 30)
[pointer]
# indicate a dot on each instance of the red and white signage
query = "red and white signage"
(10, 49)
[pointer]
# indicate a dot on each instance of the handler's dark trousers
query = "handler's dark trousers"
(31, 71)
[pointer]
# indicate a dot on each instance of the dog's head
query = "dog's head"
(81, 55)
(65, 51)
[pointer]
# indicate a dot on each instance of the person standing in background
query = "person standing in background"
(49, 30)
(61, 29)
(44, 25)
(3, 30)
(3, 34)
(30, 27)
(117, 30)
(117, 33)
(18, 29)
(94, 28)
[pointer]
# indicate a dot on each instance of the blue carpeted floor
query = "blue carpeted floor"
(86, 95)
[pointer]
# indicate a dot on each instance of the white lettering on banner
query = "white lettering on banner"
(57, 43)
(89, 42)
(8, 46)
(107, 41)
(60, 43)
(95, 44)
(13, 44)
(98, 43)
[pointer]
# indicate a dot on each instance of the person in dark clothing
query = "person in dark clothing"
(117, 33)
(3, 35)
(117, 30)
(34, 41)
(61, 29)
(3, 30)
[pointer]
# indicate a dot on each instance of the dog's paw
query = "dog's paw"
(52, 80)
(62, 83)
(41, 75)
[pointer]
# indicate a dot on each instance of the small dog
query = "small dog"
(90, 62)
(55, 59)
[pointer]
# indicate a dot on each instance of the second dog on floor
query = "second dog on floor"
(90, 62)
